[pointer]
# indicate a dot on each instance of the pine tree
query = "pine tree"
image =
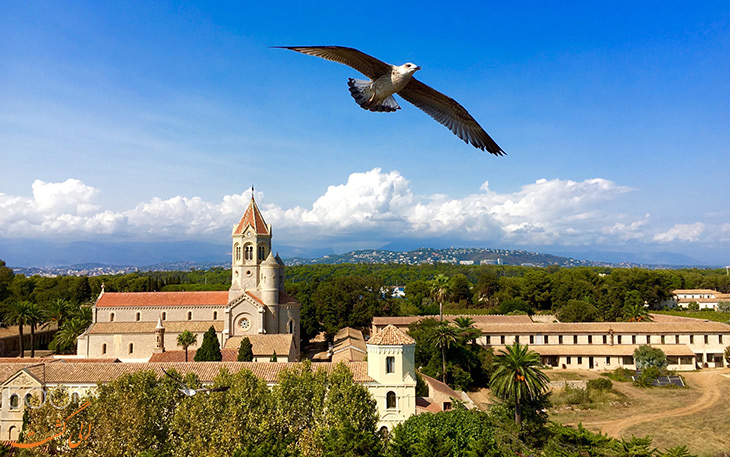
(210, 350)
(245, 351)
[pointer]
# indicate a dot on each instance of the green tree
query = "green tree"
(245, 351)
(727, 355)
(6, 279)
(439, 289)
(273, 357)
(35, 318)
(442, 336)
(634, 309)
(64, 340)
(646, 356)
(577, 311)
(460, 290)
(210, 348)
(186, 339)
(518, 376)
(20, 313)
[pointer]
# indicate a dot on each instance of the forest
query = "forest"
(335, 296)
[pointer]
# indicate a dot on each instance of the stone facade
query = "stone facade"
(124, 324)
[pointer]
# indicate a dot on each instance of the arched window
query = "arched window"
(237, 251)
(14, 400)
(249, 252)
(262, 251)
(390, 400)
(12, 431)
(190, 315)
(75, 397)
(111, 317)
(291, 326)
(138, 316)
(103, 348)
(131, 348)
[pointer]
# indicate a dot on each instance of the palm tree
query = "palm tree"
(439, 287)
(186, 339)
(442, 336)
(518, 376)
(467, 333)
(35, 317)
(19, 313)
(636, 312)
(65, 339)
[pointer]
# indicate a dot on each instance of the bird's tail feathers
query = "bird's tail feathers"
(362, 92)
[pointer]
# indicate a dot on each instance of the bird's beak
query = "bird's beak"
(418, 68)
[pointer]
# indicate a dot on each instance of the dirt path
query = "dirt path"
(707, 381)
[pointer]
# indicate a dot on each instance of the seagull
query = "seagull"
(376, 94)
(190, 392)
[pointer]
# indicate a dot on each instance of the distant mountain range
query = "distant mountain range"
(94, 258)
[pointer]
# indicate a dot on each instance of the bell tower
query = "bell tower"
(251, 245)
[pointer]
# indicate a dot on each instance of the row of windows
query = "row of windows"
(138, 316)
(15, 399)
(605, 339)
(248, 252)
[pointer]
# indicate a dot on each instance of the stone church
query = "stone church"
(139, 326)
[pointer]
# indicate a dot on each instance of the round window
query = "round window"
(248, 273)
(245, 324)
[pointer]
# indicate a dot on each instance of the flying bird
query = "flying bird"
(376, 94)
(190, 392)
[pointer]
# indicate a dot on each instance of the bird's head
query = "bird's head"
(409, 68)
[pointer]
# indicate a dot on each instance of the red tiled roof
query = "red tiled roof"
(229, 355)
(92, 373)
(252, 217)
(263, 345)
(478, 319)
(391, 336)
(149, 327)
(167, 299)
(284, 298)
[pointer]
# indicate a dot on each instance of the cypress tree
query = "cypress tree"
(245, 351)
(210, 350)
(273, 357)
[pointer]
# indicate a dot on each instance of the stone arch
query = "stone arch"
(391, 400)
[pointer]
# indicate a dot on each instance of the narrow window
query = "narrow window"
(261, 252)
(605, 339)
(103, 348)
(707, 339)
(575, 339)
(215, 315)
(691, 339)
(137, 316)
(237, 251)
(111, 317)
(567, 360)
(489, 339)
(131, 348)
(580, 360)
(662, 339)
(164, 315)
(390, 364)
(676, 339)
(249, 252)
(590, 339)
(560, 340)
(532, 339)
(546, 339)
(618, 338)
(75, 397)
(633, 339)
(501, 339)
(390, 400)
(291, 327)
(190, 315)
(608, 360)
(719, 338)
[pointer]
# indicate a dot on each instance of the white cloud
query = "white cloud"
(372, 205)
(681, 232)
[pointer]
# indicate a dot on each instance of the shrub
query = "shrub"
(571, 396)
(600, 384)
(693, 306)
(648, 376)
(647, 356)
(619, 374)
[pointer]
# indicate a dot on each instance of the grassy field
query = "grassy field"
(697, 416)
(704, 314)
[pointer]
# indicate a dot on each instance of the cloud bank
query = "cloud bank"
(372, 205)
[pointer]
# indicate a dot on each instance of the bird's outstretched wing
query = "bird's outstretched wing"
(175, 379)
(365, 64)
(450, 113)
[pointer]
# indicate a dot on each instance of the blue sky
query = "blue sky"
(147, 121)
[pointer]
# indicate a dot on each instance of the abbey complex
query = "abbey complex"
(139, 331)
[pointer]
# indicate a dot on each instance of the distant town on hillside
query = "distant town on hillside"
(462, 256)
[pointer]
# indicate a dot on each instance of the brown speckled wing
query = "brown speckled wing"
(365, 64)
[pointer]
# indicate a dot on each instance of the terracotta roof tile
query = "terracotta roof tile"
(391, 336)
(149, 327)
(229, 355)
(252, 217)
(694, 291)
(348, 355)
(699, 326)
(263, 345)
(478, 318)
(166, 299)
(93, 373)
